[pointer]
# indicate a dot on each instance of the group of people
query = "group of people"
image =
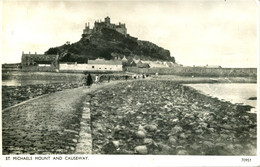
(88, 80)
(139, 76)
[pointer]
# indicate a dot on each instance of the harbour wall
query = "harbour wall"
(197, 71)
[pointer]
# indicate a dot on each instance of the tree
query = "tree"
(52, 51)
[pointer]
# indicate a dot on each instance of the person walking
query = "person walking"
(97, 79)
(89, 80)
(108, 79)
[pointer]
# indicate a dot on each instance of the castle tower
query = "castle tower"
(107, 20)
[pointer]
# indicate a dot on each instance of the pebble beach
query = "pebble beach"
(162, 117)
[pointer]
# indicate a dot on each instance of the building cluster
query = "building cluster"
(208, 66)
(99, 25)
(49, 62)
(93, 65)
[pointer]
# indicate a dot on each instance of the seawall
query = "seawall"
(198, 71)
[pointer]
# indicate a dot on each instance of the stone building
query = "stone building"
(99, 25)
(11, 67)
(39, 62)
(105, 65)
(93, 65)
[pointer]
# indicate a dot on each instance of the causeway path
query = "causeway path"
(57, 123)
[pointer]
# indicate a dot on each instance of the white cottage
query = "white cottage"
(105, 65)
(93, 65)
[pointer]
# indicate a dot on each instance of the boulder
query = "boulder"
(208, 144)
(148, 141)
(140, 134)
(182, 152)
(151, 128)
(141, 149)
(172, 140)
(116, 143)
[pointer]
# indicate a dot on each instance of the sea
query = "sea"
(236, 93)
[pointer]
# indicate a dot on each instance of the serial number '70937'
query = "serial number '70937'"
(246, 159)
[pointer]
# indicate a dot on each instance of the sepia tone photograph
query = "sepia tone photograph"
(129, 78)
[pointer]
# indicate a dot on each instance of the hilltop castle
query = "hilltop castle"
(104, 24)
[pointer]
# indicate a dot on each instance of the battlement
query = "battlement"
(99, 25)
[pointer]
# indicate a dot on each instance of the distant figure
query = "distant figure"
(97, 79)
(89, 80)
(108, 79)
(101, 78)
(126, 77)
(143, 76)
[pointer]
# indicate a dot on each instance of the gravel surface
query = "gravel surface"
(48, 125)
(12, 95)
(162, 117)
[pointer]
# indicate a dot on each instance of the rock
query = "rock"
(211, 129)
(139, 117)
(182, 152)
(225, 126)
(148, 141)
(141, 149)
(224, 136)
(208, 144)
(140, 134)
(151, 128)
(176, 120)
(195, 146)
(109, 148)
(179, 147)
(199, 131)
(165, 149)
(183, 136)
(189, 116)
(252, 98)
(172, 140)
(140, 127)
(176, 129)
(116, 143)
(229, 147)
(238, 146)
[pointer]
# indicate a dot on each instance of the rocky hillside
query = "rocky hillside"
(107, 44)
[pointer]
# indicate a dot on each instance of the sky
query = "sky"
(197, 32)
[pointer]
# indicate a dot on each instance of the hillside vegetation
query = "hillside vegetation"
(106, 42)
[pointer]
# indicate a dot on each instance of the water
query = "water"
(18, 78)
(234, 93)
(21, 82)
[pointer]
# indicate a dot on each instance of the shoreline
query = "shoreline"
(212, 80)
(245, 103)
(11, 95)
